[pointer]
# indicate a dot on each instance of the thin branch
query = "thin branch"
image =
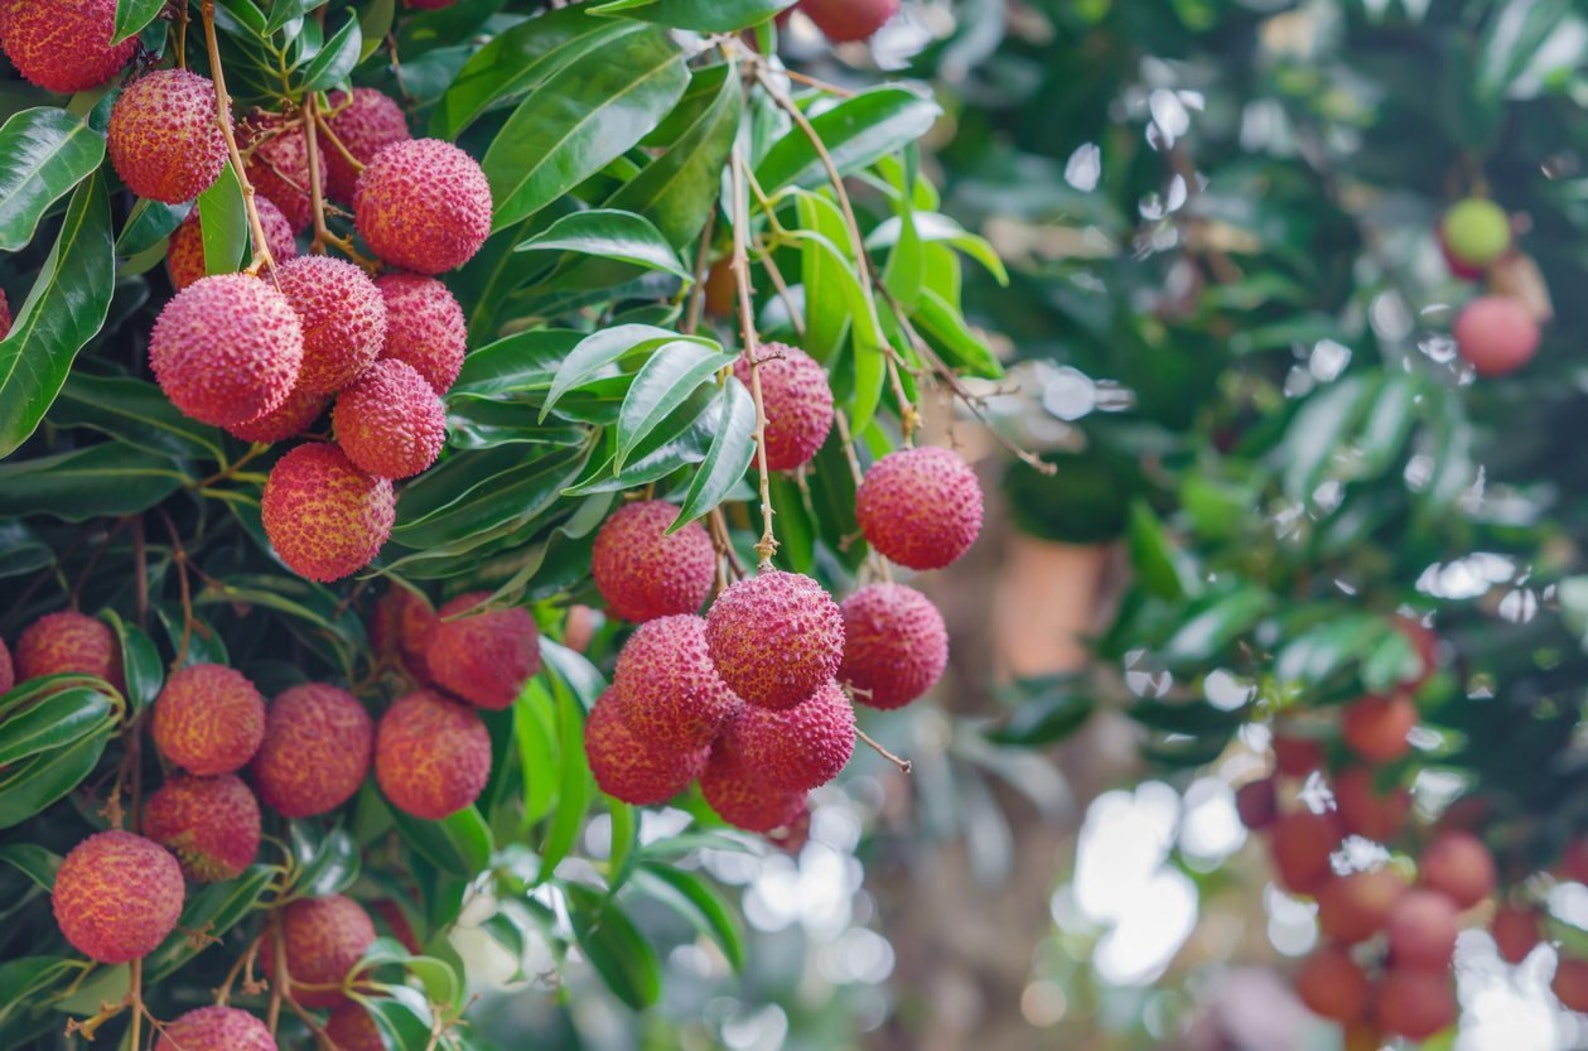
(223, 109)
(767, 545)
(697, 290)
(904, 765)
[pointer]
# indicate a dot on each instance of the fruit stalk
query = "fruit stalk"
(223, 110)
(767, 545)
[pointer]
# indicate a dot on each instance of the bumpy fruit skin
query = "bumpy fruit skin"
(1458, 865)
(921, 508)
(117, 896)
(389, 421)
(278, 167)
(1516, 932)
(1367, 812)
(287, 420)
(364, 125)
(343, 318)
(227, 349)
(216, 1029)
(642, 572)
(425, 327)
(423, 205)
(1375, 728)
(1297, 756)
(209, 720)
(1422, 927)
(1476, 231)
(798, 400)
(1496, 335)
(1570, 984)
(324, 939)
(1257, 804)
(401, 627)
(316, 752)
(432, 755)
(630, 767)
(1301, 845)
(895, 645)
(184, 257)
(666, 689)
(846, 21)
(397, 923)
(210, 823)
(1415, 1004)
(326, 518)
(797, 748)
(485, 658)
(8, 672)
(741, 797)
(5, 315)
(63, 45)
(63, 642)
(163, 137)
(775, 638)
(1354, 907)
(352, 1028)
(1332, 985)
(792, 836)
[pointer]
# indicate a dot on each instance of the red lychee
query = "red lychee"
(846, 21)
(775, 638)
(1458, 865)
(741, 797)
(352, 1028)
(797, 748)
(401, 627)
(325, 517)
(895, 645)
(642, 572)
(666, 689)
(278, 164)
(1570, 984)
(184, 257)
(1354, 907)
(1516, 932)
(317, 749)
(343, 318)
(1496, 334)
(210, 823)
(364, 124)
(227, 349)
(1301, 845)
(58, 643)
(388, 911)
(791, 837)
(216, 1029)
(1375, 728)
(432, 755)
(485, 658)
(287, 420)
(1422, 928)
(1332, 985)
(8, 674)
(208, 719)
(324, 938)
(425, 327)
(921, 508)
(5, 315)
(1257, 804)
(423, 205)
(798, 401)
(64, 45)
(1415, 1004)
(117, 896)
(632, 768)
(1297, 756)
(164, 139)
(389, 421)
(1367, 812)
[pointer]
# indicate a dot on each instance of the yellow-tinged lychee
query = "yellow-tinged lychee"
(208, 719)
(278, 164)
(164, 139)
(895, 645)
(216, 1029)
(796, 748)
(184, 257)
(117, 896)
(324, 938)
(1476, 231)
(423, 205)
(343, 318)
(210, 823)
(365, 123)
(425, 327)
(288, 420)
(775, 638)
(432, 755)
(666, 688)
(631, 768)
(58, 643)
(740, 796)
(317, 747)
(326, 518)
(921, 508)
(798, 401)
(389, 421)
(64, 45)
(352, 1028)
(485, 658)
(644, 573)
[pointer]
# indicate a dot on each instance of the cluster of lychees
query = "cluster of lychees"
(1496, 333)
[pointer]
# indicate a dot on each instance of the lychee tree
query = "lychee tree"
(361, 355)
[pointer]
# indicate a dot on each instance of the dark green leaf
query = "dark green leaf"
(575, 788)
(595, 354)
(1045, 719)
(137, 413)
(732, 450)
(147, 224)
(33, 861)
(524, 361)
(663, 385)
(459, 844)
(609, 234)
(1216, 622)
(132, 16)
(104, 479)
(209, 913)
(37, 782)
(47, 152)
(336, 59)
(698, 902)
(1153, 556)
(67, 717)
(614, 946)
(856, 132)
(704, 16)
(327, 858)
(140, 661)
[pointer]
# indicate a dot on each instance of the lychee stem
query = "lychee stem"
(223, 112)
(311, 138)
(904, 765)
(697, 289)
(135, 1024)
(766, 547)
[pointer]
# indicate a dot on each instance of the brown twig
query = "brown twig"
(223, 109)
(766, 547)
(904, 765)
(697, 290)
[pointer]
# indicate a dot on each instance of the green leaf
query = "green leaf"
(210, 912)
(856, 132)
(535, 733)
(575, 788)
(336, 59)
(146, 224)
(328, 860)
(374, 22)
(132, 16)
(697, 901)
(140, 661)
(961, 348)
(664, 383)
(247, 14)
(1185, 751)
(614, 946)
(33, 861)
(703, 16)
(935, 228)
(1320, 429)
(827, 273)
(524, 361)
(594, 355)
(1216, 622)
(223, 224)
(609, 234)
(732, 450)
(136, 412)
(1047, 717)
(285, 11)
(108, 479)
(404, 1018)
(37, 782)
(1153, 555)
(459, 844)
(48, 151)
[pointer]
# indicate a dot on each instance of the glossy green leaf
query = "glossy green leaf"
(698, 902)
(1047, 717)
(935, 228)
(141, 665)
(459, 844)
(1320, 429)
(223, 224)
(1153, 556)
(828, 275)
(246, 13)
(575, 788)
(625, 838)
(663, 385)
(328, 860)
(374, 22)
(36, 782)
(703, 16)
(24, 981)
(614, 946)
(856, 132)
(609, 234)
(404, 1018)
(135, 412)
(960, 347)
(524, 361)
(596, 354)
(1215, 622)
(211, 912)
(148, 223)
(336, 59)
(729, 457)
(48, 151)
(33, 861)
(107, 479)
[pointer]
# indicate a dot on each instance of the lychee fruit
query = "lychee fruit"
(791, 837)
(423, 205)
(1415, 1004)
(847, 21)
(326, 518)
(432, 755)
(389, 421)
(1425, 643)
(1476, 231)
(1367, 812)
(64, 45)
(288, 420)
(1496, 335)
(1257, 804)
(8, 674)
(1422, 926)
(227, 349)
(1297, 756)
(117, 896)
(210, 823)
(58, 643)
(1376, 728)
(798, 402)
(352, 1028)
(1458, 865)
(579, 627)
(164, 139)
(184, 256)
(485, 658)
(401, 627)
(364, 124)
(316, 752)
(5, 315)
(775, 638)
(1570, 984)
(895, 645)
(633, 768)
(721, 290)
(666, 688)
(1516, 932)
(1332, 985)
(278, 164)
(739, 795)
(216, 1029)
(425, 327)
(1573, 860)
(921, 508)
(208, 719)
(1302, 845)
(642, 572)
(397, 924)
(1354, 907)
(1361, 1035)
(323, 938)
(343, 318)
(797, 748)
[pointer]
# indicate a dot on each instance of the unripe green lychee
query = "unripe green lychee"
(184, 257)
(343, 318)
(216, 1029)
(423, 205)
(227, 349)
(1496, 335)
(287, 420)
(1516, 932)
(1354, 907)
(1477, 231)
(1376, 728)
(323, 938)
(775, 638)
(739, 795)
(68, 641)
(1422, 926)
(666, 689)
(278, 164)
(117, 896)
(432, 755)
(425, 327)
(389, 421)
(1416, 1004)
(1460, 866)
(8, 673)
(352, 1028)
(1301, 845)
(921, 508)
(632, 768)
(326, 518)
(798, 401)
(64, 45)
(642, 572)
(317, 749)
(797, 748)
(401, 627)
(1367, 812)
(208, 719)
(485, 658)
(164, 139)
(895, 645)
(210, 823)
(364, 124)
(846, 21)
(1332, 985)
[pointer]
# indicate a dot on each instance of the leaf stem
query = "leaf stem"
(223, 113)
